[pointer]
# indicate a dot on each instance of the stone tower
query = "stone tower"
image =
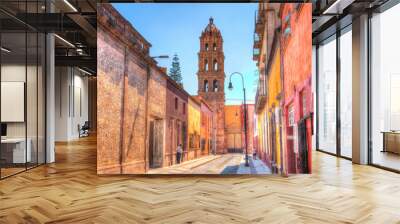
(211, 78)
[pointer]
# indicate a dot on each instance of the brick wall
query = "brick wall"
(131, 92)
(110, 73)
(134, 137)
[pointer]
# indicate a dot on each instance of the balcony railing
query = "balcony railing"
(256, 37)
(259, 21)
(261, 95)
(259, 26)
(256, 54)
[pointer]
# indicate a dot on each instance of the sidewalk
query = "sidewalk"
(185, 166)
(255, 167)
(231, 163)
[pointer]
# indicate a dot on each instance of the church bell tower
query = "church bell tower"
(211, 79)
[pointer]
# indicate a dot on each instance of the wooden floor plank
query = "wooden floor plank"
(70, 191)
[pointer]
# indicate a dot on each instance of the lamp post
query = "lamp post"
(160, 56)
(230, 87)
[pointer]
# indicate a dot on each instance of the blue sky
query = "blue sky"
(176, 28)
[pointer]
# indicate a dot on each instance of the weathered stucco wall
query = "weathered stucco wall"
(297, 58)
(206, 129)
(131, 92)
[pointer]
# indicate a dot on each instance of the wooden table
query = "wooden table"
(391, 141)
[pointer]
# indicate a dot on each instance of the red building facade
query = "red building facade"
(177, 118)
(298, 101)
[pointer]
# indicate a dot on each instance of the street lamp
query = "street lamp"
(160, 56)
(230, 87)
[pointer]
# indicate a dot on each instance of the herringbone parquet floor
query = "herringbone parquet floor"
(69, 191)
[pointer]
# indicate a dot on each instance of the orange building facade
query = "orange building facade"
(207, 129)
(250, 127)
(234, 128)
(194, 127)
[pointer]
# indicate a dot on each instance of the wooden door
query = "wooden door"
(238, 142)
(291, 157)
(302, 166)
(273, 139)
(231, 141)
(156, 143)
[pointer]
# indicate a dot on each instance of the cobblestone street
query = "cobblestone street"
(231, 163)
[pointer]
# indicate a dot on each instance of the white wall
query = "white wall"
(71, 102)
(62, 82)
(33, 126)
(12, 73)
(81, 84)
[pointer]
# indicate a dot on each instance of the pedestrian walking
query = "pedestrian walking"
(179, 153)
(254, 154)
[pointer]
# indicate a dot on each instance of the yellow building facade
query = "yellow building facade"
(194, 127)
(274, 111)
(262, 134)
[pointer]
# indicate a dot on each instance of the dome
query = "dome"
(211, 27)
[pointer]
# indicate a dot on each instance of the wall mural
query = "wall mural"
(150, 122)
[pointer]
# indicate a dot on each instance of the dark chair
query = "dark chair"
(84, 130)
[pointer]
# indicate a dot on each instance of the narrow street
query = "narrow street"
(231, 163)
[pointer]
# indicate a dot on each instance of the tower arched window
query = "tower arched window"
(205, 86)
(206, 47)
(215, 85)
(214, 46)
(206, 65)
(215, 65)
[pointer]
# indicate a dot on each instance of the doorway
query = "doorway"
(291, 139)
(156, 143)
(234, 143)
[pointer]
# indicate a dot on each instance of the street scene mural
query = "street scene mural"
(204, 88)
